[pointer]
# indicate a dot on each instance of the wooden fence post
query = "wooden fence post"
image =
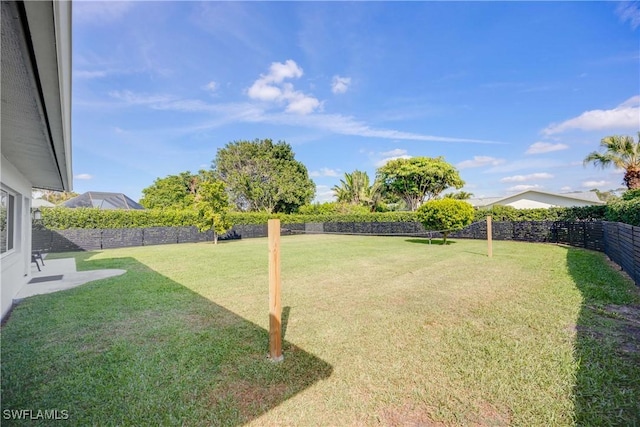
(489, 238)
(275, 306)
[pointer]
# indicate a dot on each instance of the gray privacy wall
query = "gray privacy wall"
(621, 242)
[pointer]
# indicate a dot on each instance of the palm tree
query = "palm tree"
(460, 195)
(623, 153)
(355, 189)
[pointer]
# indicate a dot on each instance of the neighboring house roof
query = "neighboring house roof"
(479, 202)
(36, 91)
(541, 199)
(102, 200)
(41, 203)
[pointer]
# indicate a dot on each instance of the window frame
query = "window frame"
(8, 247)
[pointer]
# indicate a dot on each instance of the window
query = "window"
(7, 221)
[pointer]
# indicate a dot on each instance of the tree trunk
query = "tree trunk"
(632, 179)
(444, 237)
(215, 237)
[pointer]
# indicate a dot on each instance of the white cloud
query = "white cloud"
(518, 165)
(325, 172)
(629, 11)
(211, 87)
(139, 99)
(517, 188)
(83, 176)
(530, 177)
(624, 116)
(480, 161)
(324, 193)
(85, 74)
(300, 103)
(272, 88)
(595, 184)
(545, 147)
(340, 84)
(565, 188)
(387, 156)
(99, 12)
(247, 112)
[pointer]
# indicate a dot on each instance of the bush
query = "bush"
(627, 211)
(332, 208)
(631, 194)
(249, 218)
(445, 215)
(64, 218)
(509, 213)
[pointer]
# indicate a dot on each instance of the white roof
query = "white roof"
(585, 196)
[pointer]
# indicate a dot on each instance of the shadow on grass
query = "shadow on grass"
(427, 241)
(607, 347)
(141, 349)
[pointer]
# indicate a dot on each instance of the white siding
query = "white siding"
(16, 264)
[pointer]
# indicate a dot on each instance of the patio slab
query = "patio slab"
(58, 275)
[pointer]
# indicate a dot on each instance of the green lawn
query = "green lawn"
(378, 331)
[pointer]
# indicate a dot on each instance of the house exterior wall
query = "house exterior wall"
(540, 200)
(16, 263)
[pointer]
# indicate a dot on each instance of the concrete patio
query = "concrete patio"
(58, 275)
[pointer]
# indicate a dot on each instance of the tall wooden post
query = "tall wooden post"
(275, 306)
(489, 237)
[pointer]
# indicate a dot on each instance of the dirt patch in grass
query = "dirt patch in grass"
(249, 399)
(626, 330)
(628, 333)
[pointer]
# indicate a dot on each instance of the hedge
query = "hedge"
(65, 218)
(509, 213)
(627, 211)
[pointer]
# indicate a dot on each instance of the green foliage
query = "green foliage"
(332, 208)
(445, 215)
(248, 218)
(356, 189)
(509, 213)
(580, 213)
(418, 178)
(55, 197)
(631, 194)
(626, 211)
(459, 195)
(174, 191)
(621, 152)
(64, 218)
(263, 176)
(212, 205)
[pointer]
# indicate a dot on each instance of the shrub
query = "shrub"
(631, 194)
(627, 211)
(445, 215)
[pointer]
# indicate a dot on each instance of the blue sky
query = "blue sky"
(514, 94)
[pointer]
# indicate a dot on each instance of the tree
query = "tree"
(212, 205)
(356, 189)
(459, 195)
(262, 176)
(55, 197)
(445, 215)
(175, 191)
(418, 179)
(623, 153)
